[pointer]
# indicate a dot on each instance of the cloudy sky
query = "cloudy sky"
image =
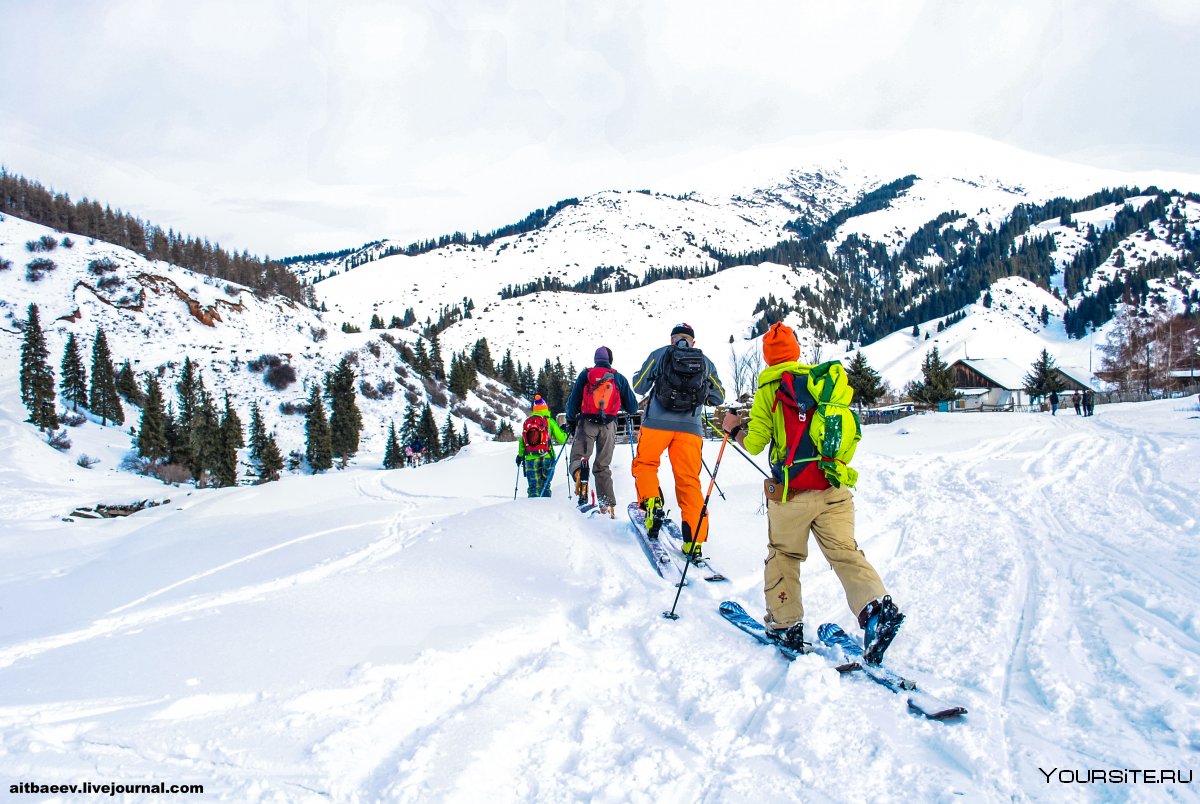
(292, 126)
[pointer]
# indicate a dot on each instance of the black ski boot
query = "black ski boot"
(791, 638)
(880, 621)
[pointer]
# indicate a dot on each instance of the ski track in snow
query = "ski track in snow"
(419, 636)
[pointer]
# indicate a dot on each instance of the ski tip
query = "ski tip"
(730, 607)
(715, 578)
(827, 631)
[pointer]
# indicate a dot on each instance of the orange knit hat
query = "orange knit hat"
(780, 344)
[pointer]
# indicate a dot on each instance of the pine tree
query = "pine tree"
(1042, 379)
(463, 376)
(916, 332)
(481, 355)
(427, 432)
(393, 455)
(464, 438)
(37, 378)
(127, 385)
(421, 360)
(435, 357)
(866, 381)
(258, 432)
(936, 384)
(74, 377)
(409, 425)
(188, 391)
(230, 441)
(376, 321)
(345, 421)
(152, 430)
(318, 442)
(449, 438)
(103, 400)
(395, 323)
(204, 439)
(270, 460)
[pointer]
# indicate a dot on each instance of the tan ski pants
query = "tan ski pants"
(603, 437)
(829, 514)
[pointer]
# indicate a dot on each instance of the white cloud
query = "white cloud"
(292, 126)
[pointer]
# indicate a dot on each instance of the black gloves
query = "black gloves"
(520, 460)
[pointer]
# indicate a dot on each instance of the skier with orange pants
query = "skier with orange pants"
(679, 381)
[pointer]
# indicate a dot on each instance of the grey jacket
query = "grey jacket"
(658, 418)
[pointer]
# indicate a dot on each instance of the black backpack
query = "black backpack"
(682, 384)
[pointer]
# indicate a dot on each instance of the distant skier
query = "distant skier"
(683, 381)
(1054, 403)
(597, 398)
(1089, 402)
(810, 491)
(535, 451)
(415, 452)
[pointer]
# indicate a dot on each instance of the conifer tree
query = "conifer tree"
(152, 430)
(1041, 379)
(188, 391)
(393, 455)
(270, 460)
(74, 376)
(936, 384)
(37, 378)
(258, 432)
(318, 443)
(464, 438)
(464, 377)
(345, 421)
(178, 451)
(448, 437)
(866, 381)
(481, 356)
(376, 321)
(427, 431)
(409, 425)
(230, 441)
(435, 357)
(103, 400)
(395, 323)
(204, 439)
(421, 361)
(127, 385)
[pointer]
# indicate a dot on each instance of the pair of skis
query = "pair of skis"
(834, 637)
(666, 554)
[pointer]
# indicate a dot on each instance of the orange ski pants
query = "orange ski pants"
(684, 452)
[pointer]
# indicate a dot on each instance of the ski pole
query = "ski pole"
(710, 474)
(553, 465)
(517, 482)
(671, 615)
(740, 451)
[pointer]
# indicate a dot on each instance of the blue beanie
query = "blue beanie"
(603, 356)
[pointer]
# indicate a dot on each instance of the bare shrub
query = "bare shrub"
(264, 361)
(36, 269)
(68, 243)
(109, 283)
(318, 333)
(86, 461)
(280, 377)
(171, 473)
(48, 243)
(101, 266)
(72, 419)
(374, 348)
(294, 408)
(412, 397)
(132, 462)
(5, 265)
(59, 440)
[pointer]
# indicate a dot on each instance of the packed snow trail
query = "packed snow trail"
(417, 635)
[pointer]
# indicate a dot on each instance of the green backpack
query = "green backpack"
(825, 434)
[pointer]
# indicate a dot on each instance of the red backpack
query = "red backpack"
(800, 466)
(600, 395)
(536, 435)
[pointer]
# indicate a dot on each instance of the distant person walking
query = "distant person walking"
(598, 397)
(1075, 399)
(1054, 403)
(1089, 402)
(678, 381)
(535, 450)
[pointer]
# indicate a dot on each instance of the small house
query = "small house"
(994, 383)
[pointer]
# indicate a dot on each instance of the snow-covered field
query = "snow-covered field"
(418, 635)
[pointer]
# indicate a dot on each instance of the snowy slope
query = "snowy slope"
(156, 314)
(418, 635)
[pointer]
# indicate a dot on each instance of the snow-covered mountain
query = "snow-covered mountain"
(155, 314)
(743, 206)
